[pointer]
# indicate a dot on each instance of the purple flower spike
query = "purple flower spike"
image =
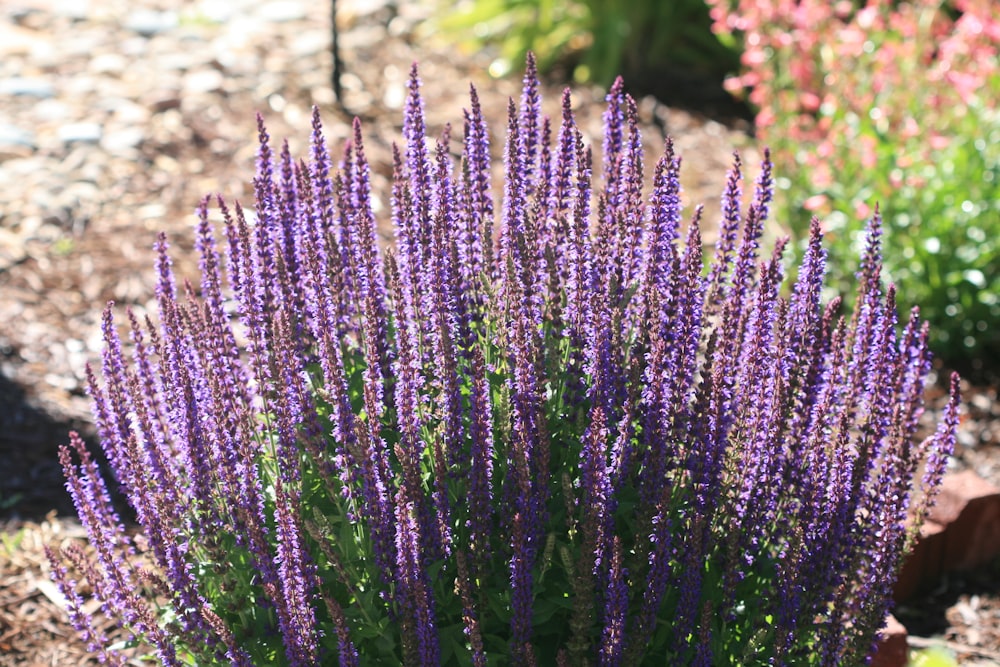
(616, 609)
(728, 229)
(521, 592)
(530, 121)
(938, 449)
(476, 206)
(418, 164)
(295, 611)
(81, 621)
(614, 137)
(415, 597)
(481, 508)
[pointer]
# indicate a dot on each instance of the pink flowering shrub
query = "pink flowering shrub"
(889, 103)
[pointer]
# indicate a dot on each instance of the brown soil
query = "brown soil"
(176, 105)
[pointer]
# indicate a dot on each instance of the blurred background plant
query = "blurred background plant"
(662, 48)
(932, 657)
(895, 104)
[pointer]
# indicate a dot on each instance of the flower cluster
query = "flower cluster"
(560, 442)
(890, 102)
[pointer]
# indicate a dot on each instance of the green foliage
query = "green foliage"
(596, 39)
(11, 541)
(932, 657)
(9, 501)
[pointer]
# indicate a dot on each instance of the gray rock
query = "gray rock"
(217, 11)
(82, 133)
(108, 63)
(12, 135)
(177, 61)
(310, 43)
(148, 22)
(12, 250)
(71, 9)
(51, 111)
(28, 87)
(282, 11)
(203, 81)
(120, 142)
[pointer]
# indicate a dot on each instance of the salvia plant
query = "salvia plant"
(563, 443)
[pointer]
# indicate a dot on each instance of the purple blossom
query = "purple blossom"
(415, 598)
(81, 621)
(521, 584)
(475, 205)
(295, 610)
(616, 610)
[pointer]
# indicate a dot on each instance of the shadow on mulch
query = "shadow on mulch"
(31, 479)
(927, 614)
(695, 92)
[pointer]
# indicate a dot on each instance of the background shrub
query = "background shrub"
(592, 40)
(892, 103)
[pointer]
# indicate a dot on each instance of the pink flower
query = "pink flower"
(815, 203)
(938, 142)
(853, 40)
(909, 129)
(765, 118)
(810, 102)
(966, 84)
(843, 9)
(754, 57)
(733, 85)
(868, 150)
(866, 17)
(822, 175)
